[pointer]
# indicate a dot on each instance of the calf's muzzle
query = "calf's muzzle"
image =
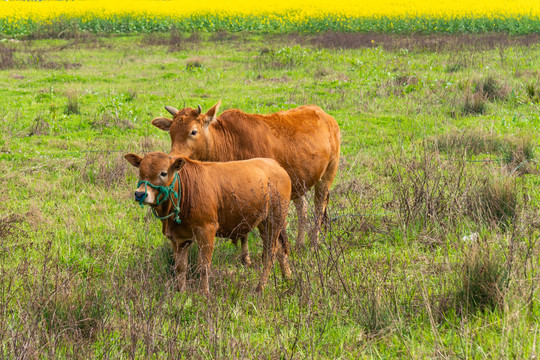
(139, 195)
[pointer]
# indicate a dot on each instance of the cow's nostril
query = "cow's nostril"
(139, 195)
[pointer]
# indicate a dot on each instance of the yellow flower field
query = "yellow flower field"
(279, 15)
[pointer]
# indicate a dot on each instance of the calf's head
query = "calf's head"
(156, 173)
(189, 130)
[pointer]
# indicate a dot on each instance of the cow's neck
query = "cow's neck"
(227, 144)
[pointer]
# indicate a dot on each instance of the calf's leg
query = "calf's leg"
(245, 250)
(283, 254)
(269, 238)
(181, 252)
(205, 240)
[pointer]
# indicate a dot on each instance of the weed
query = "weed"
(490, 88)
(175, 40)
(39, 127)
(416, 42)
(514, 151)
(429, 190)
(455, 67)
(484, 280)
(7, 60)
(72, 106)
(474, 104)
(284, 58)
(496, 200)
(130, 95)
(194, 64)
(533, 91)
(7, 225)
(102, 170)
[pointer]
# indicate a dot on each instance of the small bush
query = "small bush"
(533, 91)
(496, 201)
(474, 104)
(72, 106)
(484, 281)
(490, 88)
(193, 64)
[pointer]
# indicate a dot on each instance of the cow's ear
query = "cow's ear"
(162, 123)
(133, 159)
(177, 164)
(211, 115)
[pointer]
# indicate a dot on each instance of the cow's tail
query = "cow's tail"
(325, 219)
(284, 241)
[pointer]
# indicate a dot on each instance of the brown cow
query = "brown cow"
(197, 201)
(304, 141)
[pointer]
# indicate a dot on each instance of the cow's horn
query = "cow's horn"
(199, 109)
(172, 110)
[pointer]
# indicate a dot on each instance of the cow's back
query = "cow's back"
(303, 141)
(243, 193)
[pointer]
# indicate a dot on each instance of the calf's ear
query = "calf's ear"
(177, 164)
(133, 159)
(162, 123)
(211, 115)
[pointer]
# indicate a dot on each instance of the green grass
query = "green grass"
(511, 24)
(86, 273)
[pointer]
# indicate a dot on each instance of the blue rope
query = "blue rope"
(165, 193)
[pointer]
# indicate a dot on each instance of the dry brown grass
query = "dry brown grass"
(473, 104)
(434, 42)
(101, 168)
(175, 40)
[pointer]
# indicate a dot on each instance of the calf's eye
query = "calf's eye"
(193, 132)
(163, 174)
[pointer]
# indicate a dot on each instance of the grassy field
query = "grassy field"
(432, 251)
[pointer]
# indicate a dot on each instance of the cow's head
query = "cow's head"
(189, 130)
(156, 171)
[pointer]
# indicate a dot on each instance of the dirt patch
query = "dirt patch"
(433, 42)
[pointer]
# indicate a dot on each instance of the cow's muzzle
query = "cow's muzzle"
(140, 195)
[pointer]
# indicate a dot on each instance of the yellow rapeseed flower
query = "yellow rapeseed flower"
(297, 10)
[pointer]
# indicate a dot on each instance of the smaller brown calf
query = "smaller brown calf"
(198, 200)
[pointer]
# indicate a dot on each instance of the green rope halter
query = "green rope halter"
(165, 192)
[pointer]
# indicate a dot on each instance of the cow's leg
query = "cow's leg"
(301, 211)
(283, 254)
(269, 238)
(205, 240)
(245, 250)
(181, 252)
(322, 189)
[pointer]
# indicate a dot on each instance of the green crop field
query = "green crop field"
(432, 250)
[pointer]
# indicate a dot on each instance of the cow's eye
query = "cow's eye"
(163, 174)
(193, 132)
